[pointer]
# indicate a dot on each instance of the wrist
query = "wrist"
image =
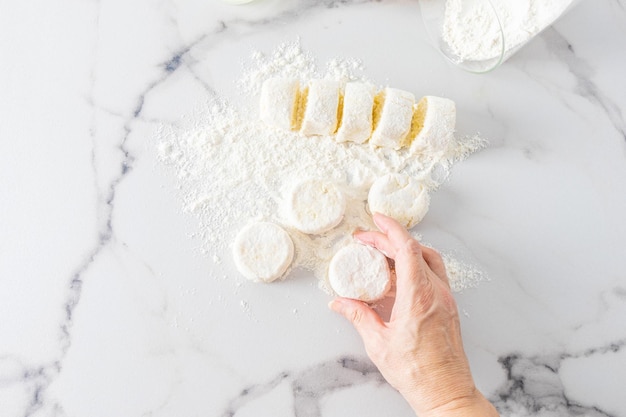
(473, 405)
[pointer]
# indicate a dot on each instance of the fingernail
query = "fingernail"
(357, 236)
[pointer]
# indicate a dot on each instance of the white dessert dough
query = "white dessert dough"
(393, 120)
(278, 103)
(360, 272)
(263, 251)
(316, 206)
(356, 117)
(434, 123)
(400, 197)
(320, 111)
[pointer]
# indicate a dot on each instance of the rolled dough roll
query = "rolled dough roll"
(360, 272)
(356, 116)
(434, 121)
(278, 103)
(320, 111)
(393, 113)
(263, 251)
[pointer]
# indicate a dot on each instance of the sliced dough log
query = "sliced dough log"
(400, 197)
(356, 115)
(263, 251)
(360, 272)
(316, 206)
(433, 124)
(393, 112)
(278, 103)
(321, 108)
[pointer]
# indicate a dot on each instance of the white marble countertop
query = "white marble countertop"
(107, 309)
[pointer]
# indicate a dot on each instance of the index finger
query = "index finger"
(389, 240)
(411, 280)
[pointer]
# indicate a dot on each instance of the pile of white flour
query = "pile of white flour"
(472, 30)
(232, 169)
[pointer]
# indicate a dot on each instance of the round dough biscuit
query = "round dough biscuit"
(360, 272)
(263, 251)
(400, 197)
(316, 206)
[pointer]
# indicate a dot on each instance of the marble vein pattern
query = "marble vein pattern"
(106, 310)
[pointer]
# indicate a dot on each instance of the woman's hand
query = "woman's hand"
(419, 351)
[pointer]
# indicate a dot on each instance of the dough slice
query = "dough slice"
(316, 206)
(263, 251)
(356, 116)
(320, 111)
(400, 197)
(393, 111)
(360, 272)
(433, 124)
(278, 103)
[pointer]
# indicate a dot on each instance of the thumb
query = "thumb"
(363, 317)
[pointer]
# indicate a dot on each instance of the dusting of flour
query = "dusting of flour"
(232, 169)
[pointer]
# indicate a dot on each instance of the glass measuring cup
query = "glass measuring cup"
(479, 35)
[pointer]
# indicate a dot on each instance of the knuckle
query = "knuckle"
(355, 316)
(413, 247)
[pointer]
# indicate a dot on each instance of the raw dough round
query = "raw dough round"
(263, 251)
(400, 197)
(360, 272)
(316, 206)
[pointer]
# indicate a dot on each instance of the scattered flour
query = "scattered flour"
(472, 30)
(462, 275)
(232, 169)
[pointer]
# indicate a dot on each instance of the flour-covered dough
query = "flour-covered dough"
(356, 116)
(400, 197)
(434, 122)
(393, 113)
(321, 108)
(360, 272)
(316, 206)
(263, 251)
(278, 103)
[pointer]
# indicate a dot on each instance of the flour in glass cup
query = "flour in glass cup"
(231, 169)
(472, 30)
